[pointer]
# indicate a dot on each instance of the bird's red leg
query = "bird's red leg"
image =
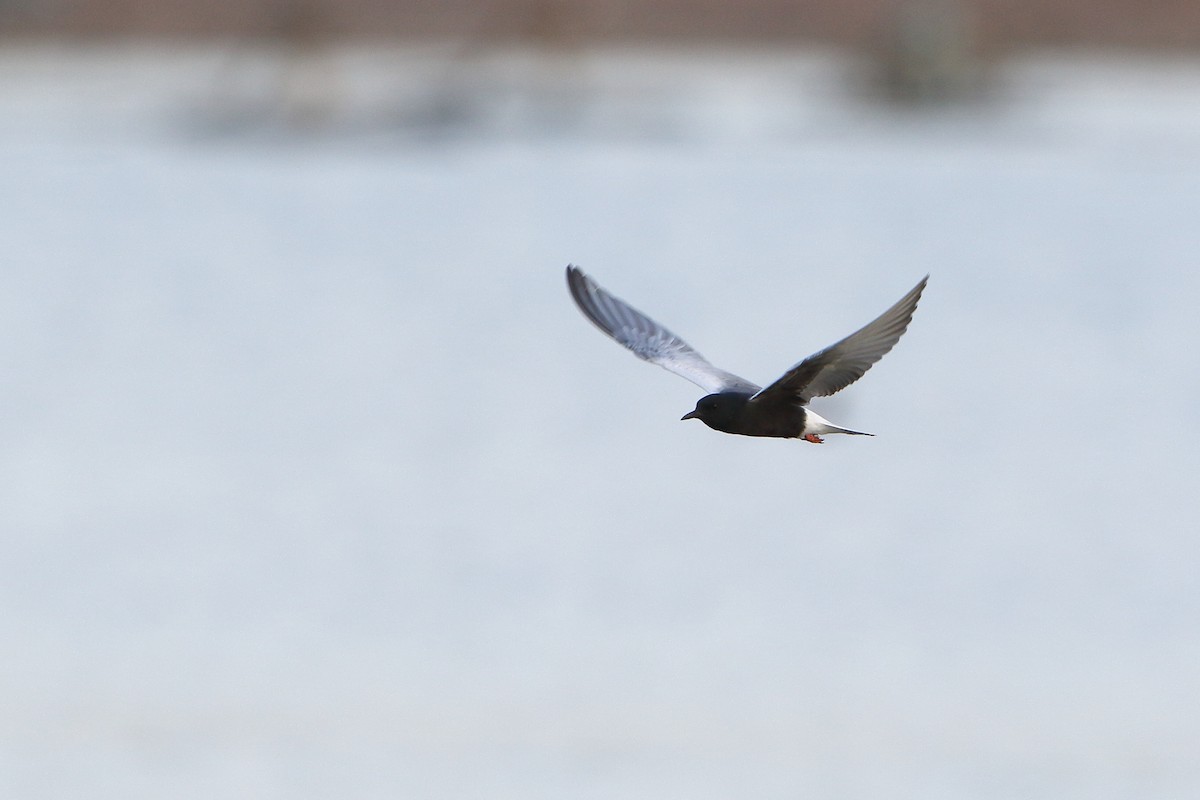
(812, 437)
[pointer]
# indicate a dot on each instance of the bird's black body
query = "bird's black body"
(734, 404)
(733, 412)
(741, 413)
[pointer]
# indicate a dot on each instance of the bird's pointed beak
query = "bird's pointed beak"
(690, 415)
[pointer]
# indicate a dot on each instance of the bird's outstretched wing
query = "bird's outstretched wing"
(841, 364)
(647, 339)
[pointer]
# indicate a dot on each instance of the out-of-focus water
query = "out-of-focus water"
(313, 481)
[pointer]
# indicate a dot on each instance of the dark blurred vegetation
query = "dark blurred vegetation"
(995, 25)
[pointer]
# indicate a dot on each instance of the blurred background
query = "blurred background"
(314, 482)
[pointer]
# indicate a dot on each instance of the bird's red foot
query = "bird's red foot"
(812, 437)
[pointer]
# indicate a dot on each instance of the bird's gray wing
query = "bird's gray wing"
(647, 339)
(841, 364)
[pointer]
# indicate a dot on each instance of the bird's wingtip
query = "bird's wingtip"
(573, 275)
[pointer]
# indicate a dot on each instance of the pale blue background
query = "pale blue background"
(313, 482)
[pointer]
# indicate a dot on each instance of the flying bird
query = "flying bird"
(733, 404)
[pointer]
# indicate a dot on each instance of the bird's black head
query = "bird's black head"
(719, 411)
